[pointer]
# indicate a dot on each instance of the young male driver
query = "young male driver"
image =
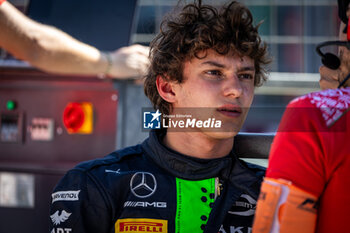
(185, 181)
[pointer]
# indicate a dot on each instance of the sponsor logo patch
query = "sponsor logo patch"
(143, 184)
(59, 218)
(244, 206)
(113, 171)
(138, 225)
(233, 229)
(61, 230)
(145, 204)
(65, 196)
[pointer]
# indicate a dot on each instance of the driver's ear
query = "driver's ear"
(166, 89)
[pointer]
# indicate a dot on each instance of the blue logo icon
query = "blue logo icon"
(151, 120)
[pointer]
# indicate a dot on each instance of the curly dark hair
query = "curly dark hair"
(198, 28)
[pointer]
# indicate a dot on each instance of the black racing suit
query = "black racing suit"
(151, 188)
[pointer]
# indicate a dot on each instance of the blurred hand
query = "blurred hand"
(129, 62)
(329, 79)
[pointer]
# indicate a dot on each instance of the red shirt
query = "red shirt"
(1, 1)
(312, 149)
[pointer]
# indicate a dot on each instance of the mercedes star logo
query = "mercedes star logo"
(143, 184)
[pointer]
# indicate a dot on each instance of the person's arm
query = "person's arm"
(294, 177)
(79, 205)
(52, 50)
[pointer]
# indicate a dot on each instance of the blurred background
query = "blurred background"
(37, 148)
(292, 29)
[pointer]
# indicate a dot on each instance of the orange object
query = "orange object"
(284, 208)
(78, 118)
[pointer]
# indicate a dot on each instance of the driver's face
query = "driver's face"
(344, 53)
(330, 79)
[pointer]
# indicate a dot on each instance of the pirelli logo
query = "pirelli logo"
(137, 225)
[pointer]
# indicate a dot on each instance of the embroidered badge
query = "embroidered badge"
(333, 103)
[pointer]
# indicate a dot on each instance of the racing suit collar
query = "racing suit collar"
(182, 166)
